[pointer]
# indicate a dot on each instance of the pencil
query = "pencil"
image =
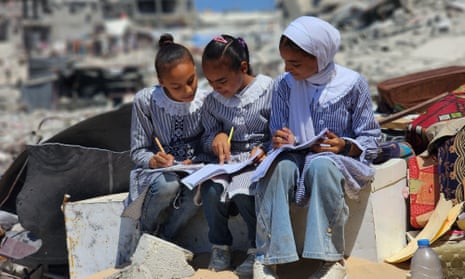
(159, 145)
(230, 134)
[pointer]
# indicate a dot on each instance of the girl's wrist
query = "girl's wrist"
(347, 147)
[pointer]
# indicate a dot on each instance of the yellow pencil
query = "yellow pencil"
(159, 145)
(230, 134)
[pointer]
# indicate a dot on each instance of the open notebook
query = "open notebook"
(212, 170)
(263, 167)
(182, 168)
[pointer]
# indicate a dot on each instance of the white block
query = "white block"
(377, 224)
(97, 237)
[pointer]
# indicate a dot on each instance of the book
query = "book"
(263, 167)
(209, 171)
(182, 168)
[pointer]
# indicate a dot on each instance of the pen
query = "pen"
(159, 145)
(230, 134)
(283, 127)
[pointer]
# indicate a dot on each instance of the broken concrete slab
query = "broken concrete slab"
(155, 258)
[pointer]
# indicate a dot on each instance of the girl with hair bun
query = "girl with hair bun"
(166, 128)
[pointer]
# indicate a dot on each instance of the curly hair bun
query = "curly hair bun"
(165, 39)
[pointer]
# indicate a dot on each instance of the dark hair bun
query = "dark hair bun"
(165, 39)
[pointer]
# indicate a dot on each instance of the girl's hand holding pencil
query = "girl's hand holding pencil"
(161, 159)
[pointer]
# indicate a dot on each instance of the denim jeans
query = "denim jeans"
(326, 217)
(217, 213)
(167, 195)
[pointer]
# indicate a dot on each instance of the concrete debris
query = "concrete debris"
(456, 5)
(380, 39)
(157, 258)
(387, 47)
(19, 128)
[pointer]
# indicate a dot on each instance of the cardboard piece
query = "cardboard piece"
(442, 218)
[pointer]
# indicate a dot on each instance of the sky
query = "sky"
(242, 5)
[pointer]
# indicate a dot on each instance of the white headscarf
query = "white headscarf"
(320, 39)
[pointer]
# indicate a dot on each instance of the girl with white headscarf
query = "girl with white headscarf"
(312, 95)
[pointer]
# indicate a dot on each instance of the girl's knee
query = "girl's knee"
(323, 173)
(286, 160)
(320, 165)
(165, 189)
(211, 191)
(244, 201)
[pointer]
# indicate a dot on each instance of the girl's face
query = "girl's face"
(225, 81)
(299, 64)
(180, 81)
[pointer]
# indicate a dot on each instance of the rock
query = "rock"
(157, 258)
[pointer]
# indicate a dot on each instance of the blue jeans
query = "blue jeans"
(217, 213)
(167, 195)
(326, 217)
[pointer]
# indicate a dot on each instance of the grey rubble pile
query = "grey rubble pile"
(417, 35)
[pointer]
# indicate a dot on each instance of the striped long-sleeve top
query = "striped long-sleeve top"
(248, 112)
(350, 117)
(176, 124)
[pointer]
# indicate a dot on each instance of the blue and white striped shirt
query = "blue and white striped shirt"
(248, 112)
(176, 124)
(349, 117)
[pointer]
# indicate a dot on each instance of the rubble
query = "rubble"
(156, 258)
(19, 128)
(379, 41)
(421, 35)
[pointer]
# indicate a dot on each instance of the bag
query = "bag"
(424, 189)
(451, 167)
(452, 106)
(393, 149)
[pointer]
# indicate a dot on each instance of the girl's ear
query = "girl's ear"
(160, 81)
(244, 67)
